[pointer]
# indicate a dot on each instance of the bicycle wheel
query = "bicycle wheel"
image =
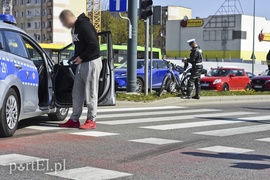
(184, 87)
(164, 85)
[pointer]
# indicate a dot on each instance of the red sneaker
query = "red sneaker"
(70, 124)
(88, 125)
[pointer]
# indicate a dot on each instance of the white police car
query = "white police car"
(31, 84)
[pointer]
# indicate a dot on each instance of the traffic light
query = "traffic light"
(146, 9)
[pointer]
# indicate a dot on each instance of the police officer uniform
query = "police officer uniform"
(195, 60)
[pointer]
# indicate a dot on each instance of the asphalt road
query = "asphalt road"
(190, 142)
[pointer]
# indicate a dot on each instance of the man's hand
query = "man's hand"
(78, 60)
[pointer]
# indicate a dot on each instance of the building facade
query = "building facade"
(170, 13)
(39, 18)
(222, 37)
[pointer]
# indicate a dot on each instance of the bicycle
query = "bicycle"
(172, 84)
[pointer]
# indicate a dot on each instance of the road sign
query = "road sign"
(118, 5)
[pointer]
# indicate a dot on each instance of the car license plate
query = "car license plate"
(258, 87)
(205, 85)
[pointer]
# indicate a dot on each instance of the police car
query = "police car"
(31, 84)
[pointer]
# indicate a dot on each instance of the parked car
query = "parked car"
(262, 82)
(159, 70)
(31, 84)
(225, 79)
(250, 75)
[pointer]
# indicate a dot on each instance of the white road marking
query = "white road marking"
(256, 118)
(157, 113)
(86, 173)
(190, 125)
(264, 140)
(95, 133)
(172, 118)
(225, 149)
(45, 128)
(236, 131)
(9, 159)
(156, 141)
(136, 109)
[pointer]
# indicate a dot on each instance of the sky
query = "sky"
(204, 8)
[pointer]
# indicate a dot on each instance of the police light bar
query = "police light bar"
(7, 18)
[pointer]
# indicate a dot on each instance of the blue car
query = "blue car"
(160, 69)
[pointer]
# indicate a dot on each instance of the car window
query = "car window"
(240, 73)
(162, 65)
(15, 44)
(33, 53)
(2, 44)
(219, 72)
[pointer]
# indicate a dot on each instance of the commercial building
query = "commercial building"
(227, 37)
(39, 18)
(170, 13)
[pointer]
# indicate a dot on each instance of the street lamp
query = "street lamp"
(254, 26)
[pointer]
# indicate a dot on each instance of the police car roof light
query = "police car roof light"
(7, 18)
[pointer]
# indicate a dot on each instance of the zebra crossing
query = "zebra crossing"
(165, 119)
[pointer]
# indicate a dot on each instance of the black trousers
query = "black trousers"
(195, 79)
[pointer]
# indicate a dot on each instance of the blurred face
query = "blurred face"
(67, 21)
(193, 45)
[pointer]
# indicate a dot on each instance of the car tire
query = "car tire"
(225, 87)
(140, 85)
(248, 87)
(60, 114)
(9, 114)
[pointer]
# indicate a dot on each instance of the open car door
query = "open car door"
(64, 75)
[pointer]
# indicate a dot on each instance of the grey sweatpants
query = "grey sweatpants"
(85, 88)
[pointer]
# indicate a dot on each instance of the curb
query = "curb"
(204, 100)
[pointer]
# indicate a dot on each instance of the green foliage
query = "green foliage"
(154, 96)
(119, 28)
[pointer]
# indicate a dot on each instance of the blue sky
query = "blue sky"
(203, 8)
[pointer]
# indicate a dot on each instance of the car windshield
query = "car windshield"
(140, 64)
(266, 73)
(219, 72)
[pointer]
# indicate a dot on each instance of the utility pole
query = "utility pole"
(146, 64)
(151, 51)
(132, 47)
(254, 28)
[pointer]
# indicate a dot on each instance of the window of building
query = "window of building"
(28, 2)
(239, 35)
(49, 24)
(44, 37)
(15, 44)
(37, 37)
(22, 2)
(37, 12)
(16, 2)
(28, 25)
(22, 25)
(29, 13)
(37, 1)
(22, 14)
(44, 12)
(16, 14)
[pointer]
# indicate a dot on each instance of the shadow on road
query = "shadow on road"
(242, 157)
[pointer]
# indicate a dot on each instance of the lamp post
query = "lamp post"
(254, 26)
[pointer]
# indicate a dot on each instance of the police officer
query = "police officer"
(196, 61)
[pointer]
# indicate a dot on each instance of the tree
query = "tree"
(119, 28)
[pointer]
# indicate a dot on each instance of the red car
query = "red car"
(262, 82)
(225, 79)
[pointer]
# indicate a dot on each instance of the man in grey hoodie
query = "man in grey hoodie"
(89, 66)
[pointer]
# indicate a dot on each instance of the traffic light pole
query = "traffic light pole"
(146, 57)
(132, 47)
(151, 52)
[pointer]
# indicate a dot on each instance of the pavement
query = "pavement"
(216, 138)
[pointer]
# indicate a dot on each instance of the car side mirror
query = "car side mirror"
(232, 75)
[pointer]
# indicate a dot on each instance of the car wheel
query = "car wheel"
(9, 114)
(59, 115)
(225, 87)
(248, 87)
(139, 84)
